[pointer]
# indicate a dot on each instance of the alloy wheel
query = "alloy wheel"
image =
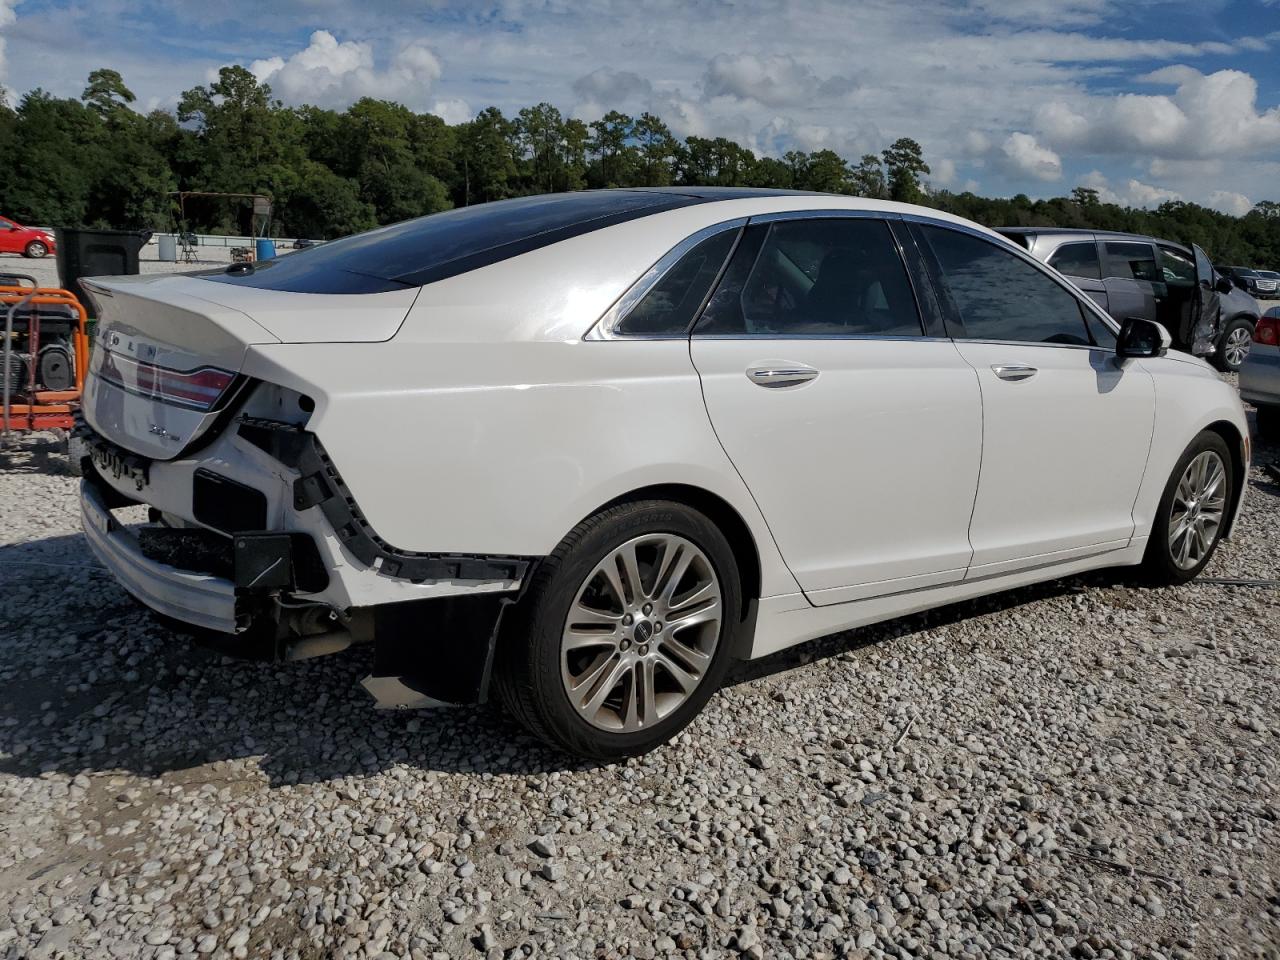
(1237, 346)
(1195, 516)
(641, 633)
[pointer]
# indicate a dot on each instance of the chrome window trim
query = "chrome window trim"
(824, 214)
(785, 216)
(1006, 244)
(821, 336)
(605, 328)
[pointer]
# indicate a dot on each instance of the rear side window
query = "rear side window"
(1132, 261)
(999, 296)
(1077, 260)
(841, 277)
(672, 303)
(443, 245)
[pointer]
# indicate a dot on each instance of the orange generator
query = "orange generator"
(45, 356)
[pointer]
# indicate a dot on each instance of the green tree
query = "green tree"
(867, 178)
(616, 158)
(658, 151)
(1084, 196)
(904, 161)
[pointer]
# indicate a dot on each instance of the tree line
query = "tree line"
(95, 161)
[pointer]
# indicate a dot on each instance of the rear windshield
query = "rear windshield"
(427, 249)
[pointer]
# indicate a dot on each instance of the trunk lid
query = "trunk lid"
(168, 350)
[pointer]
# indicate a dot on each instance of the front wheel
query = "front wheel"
(1193, 512)
(36, 249)
(1233, 345)
(625, 633)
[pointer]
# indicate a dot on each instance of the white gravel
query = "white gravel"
(1086, 768)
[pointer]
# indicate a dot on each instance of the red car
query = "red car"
(28, 241)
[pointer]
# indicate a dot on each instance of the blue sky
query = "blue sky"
(1142, 100)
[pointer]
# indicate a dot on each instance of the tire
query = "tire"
(1165, 561)
(534, 670)
(1233, 345)
(1269, 424)
(77, 450)
(35, 250)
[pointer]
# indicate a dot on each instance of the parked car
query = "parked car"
(302, 243)
(1135, 276)
(1251, 281)
(1272, 278)
(28, 241)
(595, 446)
(1260, 375)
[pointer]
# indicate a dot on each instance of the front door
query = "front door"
(1066, 426)
(1208, 315)
(859, 437)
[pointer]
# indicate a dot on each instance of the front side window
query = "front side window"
(1176, 266)
(840, 277)
(1000, 296)
(672, 303)
(1132, 261)
(1077, 260)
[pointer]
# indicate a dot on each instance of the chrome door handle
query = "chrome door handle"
(1013, 371)
(781, 376)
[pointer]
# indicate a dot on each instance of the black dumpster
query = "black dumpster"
(97, 253)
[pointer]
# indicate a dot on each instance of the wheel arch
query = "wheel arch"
(731, 523)
(1236, 443)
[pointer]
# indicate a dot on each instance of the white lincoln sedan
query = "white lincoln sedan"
(583, 450)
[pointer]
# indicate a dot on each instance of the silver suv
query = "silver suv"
(1130, 275)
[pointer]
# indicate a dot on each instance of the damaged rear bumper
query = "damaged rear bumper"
(200, 599)
(315, 581)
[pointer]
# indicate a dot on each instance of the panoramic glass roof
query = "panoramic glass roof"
(416, 252)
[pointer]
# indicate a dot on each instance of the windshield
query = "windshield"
(416, 252)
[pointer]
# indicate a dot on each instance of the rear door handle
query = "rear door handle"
(1013, 371)
(791, 375)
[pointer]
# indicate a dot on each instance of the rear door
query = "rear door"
(1079, 261)
(858, 435)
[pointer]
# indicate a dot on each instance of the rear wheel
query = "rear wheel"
(625, 633)
(36, 249)
(1233, 345)
(1192, 513)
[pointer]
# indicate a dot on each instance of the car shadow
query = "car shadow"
(91, 683)
(34, 453)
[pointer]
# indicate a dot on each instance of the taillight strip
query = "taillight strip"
(197, 389)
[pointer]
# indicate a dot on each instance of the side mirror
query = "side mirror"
(1140, 337)
(1223, 284)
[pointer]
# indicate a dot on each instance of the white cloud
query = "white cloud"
(7, 18)
(1133, 193)
(1207, 115)
(944, 171)
(1023, 155)
(453, 110)
(1236, 204)
(611, 86)
(774, 80)
(330, 73)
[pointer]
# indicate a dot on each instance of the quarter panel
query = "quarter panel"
(504, 447)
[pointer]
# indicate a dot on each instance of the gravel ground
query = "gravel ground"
(1086, 768)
